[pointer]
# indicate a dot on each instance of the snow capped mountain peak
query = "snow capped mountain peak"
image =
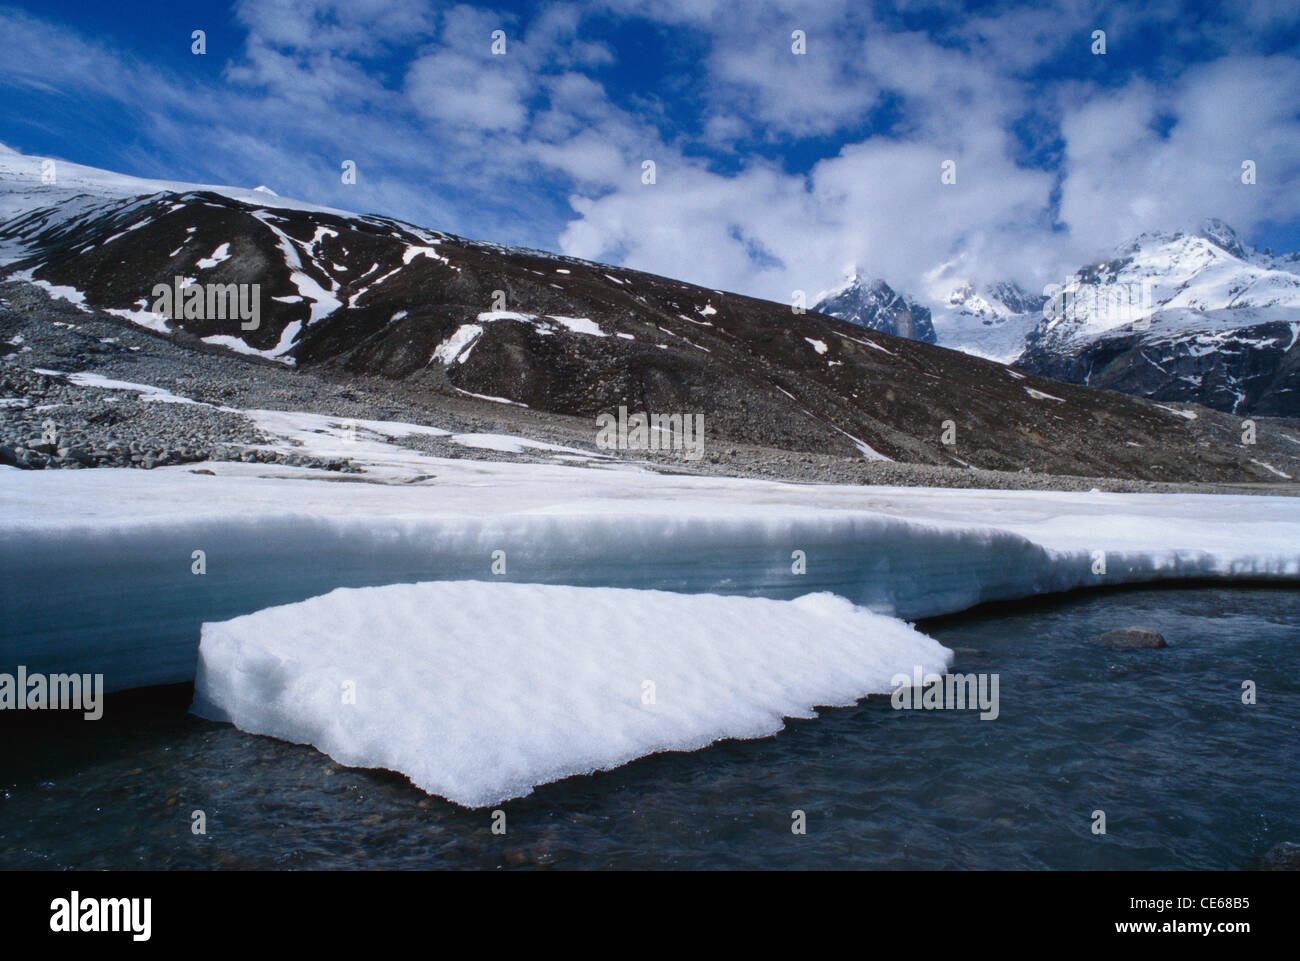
(1213, 238)
(1015, 298)
(962, 295)
(1147, 240)
(1162, 273)
(852, 278)
(987, 320)
(1171, 282)
(29, 182)
(1220, 234)
(996, 300)
(1177, 316)
(875, 305)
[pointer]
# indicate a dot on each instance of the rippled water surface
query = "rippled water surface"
(1188, 776)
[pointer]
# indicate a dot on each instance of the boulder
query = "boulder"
(1281, 857)
(1132, 639)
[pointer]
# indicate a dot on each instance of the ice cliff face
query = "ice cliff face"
(96, 566)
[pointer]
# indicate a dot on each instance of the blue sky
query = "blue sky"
(775, 171)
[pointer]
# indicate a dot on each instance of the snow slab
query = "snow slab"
(145, 391)
(510, 444)
(514, 685)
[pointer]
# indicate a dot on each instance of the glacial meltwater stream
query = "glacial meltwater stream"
(1187, 774)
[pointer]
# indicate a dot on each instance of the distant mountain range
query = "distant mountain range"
(363, 295)
(1172, 316)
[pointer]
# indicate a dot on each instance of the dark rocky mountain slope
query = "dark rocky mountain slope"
(368, 295)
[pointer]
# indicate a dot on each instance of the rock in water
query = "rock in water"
(1132, 638)
(1281, 857)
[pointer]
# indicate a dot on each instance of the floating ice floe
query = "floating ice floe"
(479, 691)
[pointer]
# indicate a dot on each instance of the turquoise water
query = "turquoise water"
(1187, 775)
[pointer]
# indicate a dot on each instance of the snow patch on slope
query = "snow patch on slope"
(220, 255)
(456, 348)
(545, 324)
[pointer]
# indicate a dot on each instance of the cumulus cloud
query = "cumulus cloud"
(775, 171)
(1146, 156)
(1138, 155)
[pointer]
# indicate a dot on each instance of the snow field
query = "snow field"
(96, 564)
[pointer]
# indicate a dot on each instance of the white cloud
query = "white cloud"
(531, 147)
(1123, 176)
(472, 91)
(339, 26)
